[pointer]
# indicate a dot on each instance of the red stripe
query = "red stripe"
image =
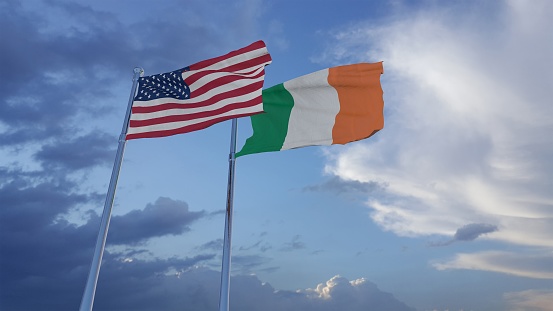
(250, 63)
(208, 62)
(186, 129)
(190, 80)
(197, 115)
(210, 101)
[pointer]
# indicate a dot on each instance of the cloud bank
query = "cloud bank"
(468, 116)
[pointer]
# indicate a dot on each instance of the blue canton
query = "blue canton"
(163, 85)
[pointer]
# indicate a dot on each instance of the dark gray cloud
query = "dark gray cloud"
(35, 199)
(468, 232)
(339, 186)
(60, 71)
(47, 257)
(472, 231)
(123, 284)
(215, 245)
(164, 217)
(52, 77)
(80, 152)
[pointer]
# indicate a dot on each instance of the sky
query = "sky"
(449, 207)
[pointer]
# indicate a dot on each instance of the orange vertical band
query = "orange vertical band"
(361, 104)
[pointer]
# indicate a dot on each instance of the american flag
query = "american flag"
(200, 95)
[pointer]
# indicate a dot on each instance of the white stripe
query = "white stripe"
(176, 125)
(316, 105)
(209, 94)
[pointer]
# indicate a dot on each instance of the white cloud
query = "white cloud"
(325, 290)
(469, 119)
(539, 266)
(340, 293)
(530, 300)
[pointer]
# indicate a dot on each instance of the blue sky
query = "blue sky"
(449, 207)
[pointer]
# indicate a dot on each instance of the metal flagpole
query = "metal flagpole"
(225, 269)
(90, 289)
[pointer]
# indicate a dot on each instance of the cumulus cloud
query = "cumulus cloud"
(468, 106)
(358, 294)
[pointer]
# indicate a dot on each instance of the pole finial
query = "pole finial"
(139, 70)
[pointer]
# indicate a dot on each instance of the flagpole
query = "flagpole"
(90, 289)
(225, 269)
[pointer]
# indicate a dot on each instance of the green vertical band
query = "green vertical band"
(270, 128)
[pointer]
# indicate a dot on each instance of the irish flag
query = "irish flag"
(337, 105)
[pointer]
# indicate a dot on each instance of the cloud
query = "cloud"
(80, 152)
(52, 75)
(467, 106)
(215, 245)
(358, 294)
(61, 73)
(26, 194)
(472, 231)
(124, 283)
(293, 245)
(164, 217)
(468, 232)
(530, 265)
(339, 186)
(198, 289)
(47, 257)
(128, 282)
(529, 300)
